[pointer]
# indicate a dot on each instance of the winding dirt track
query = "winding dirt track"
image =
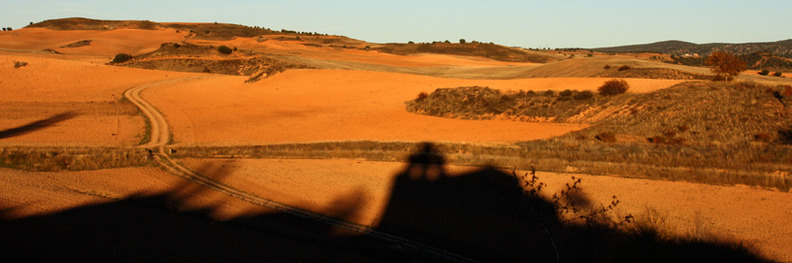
(160, 136)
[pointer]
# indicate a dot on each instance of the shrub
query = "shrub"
(613, 87)
(778, 74)
(19, 64)
(764, 72)
(566, 93)
(785, 135)
(121, 58)
(606, 137)
(584, 95)
(422, 95)
(623, 68)
(225, 50)
(549, 93)
(607, 67)
(762, 137)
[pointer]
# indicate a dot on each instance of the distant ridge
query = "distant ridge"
(679, 48)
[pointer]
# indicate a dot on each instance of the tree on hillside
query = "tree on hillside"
(462, 41)
(726, 65)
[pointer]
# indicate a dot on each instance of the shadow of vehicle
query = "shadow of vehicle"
(482, 215)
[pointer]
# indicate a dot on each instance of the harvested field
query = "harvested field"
(229, 184)
(104, 43)
(142, 214)
(294, 105)
(741, 213)
(58, 80)
(70, 123)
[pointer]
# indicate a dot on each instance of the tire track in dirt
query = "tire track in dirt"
(159, 137)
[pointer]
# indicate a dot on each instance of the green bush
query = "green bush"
(566, 93)
(613, 87)
(764, 72)
(121, 58)
(778, 74)
(225, 50)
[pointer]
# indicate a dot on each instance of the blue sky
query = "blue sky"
(526, 23)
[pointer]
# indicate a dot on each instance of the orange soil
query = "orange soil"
(57, 80)
(753, 215)
(47, 79)
(103, 42)
(332, 105)
(294, 47)
(81, 130)
(38, 193)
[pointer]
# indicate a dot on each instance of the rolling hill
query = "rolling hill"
(680, 48)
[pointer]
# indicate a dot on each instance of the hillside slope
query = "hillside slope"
(680, 48)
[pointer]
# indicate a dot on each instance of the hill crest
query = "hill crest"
(680, 48)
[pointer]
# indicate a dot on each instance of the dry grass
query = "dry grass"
(632, 160)
(50, 159)
(187, 57)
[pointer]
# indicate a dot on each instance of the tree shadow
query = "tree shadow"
(37, 125)
(482, 215)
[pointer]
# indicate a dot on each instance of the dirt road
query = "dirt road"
(159, 137)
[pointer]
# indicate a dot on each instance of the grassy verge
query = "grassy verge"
(596, 158)
(51, 159)
(147, 129)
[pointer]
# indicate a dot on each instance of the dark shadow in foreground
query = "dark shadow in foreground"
(36, 125)
(482, 215)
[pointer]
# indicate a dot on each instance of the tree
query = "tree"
(462, 41)
(726, 65)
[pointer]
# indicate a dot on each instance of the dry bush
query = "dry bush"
(785, 135)
(625, 67)
(121, 58)
(778, 74)
(584, 95)
(606, 137)
(19, 64)
(422, 95)
(762, 137)
(613, 87)
(606, 67)
(764, 72)
(224, 50)
(566, 93)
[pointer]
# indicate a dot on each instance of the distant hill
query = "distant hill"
(79, 23)
(680, 48)
(488, 50)
(209, 31)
